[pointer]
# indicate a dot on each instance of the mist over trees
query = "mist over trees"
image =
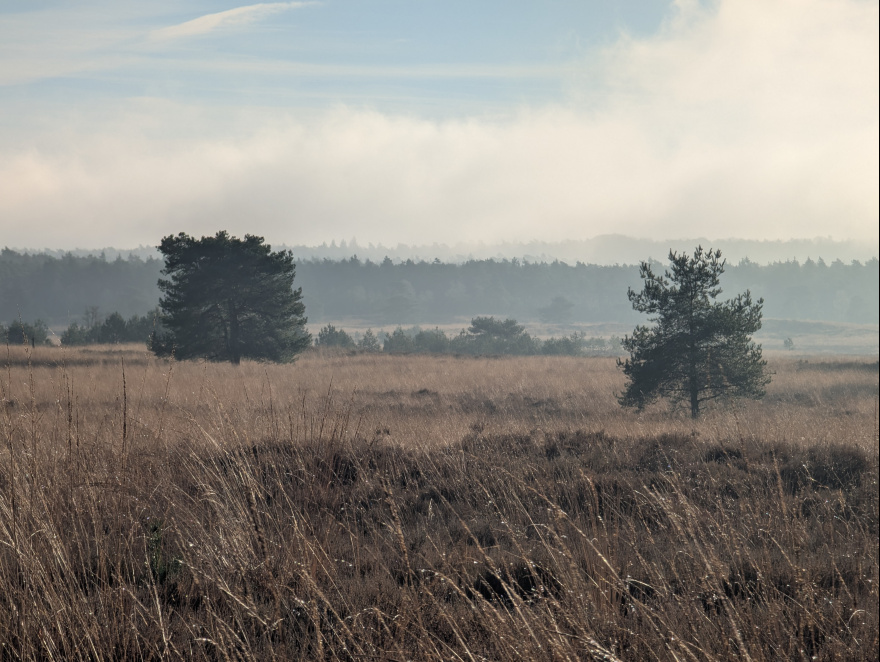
(436, 293)
(386, 293)
(604, 250)
(59, 289)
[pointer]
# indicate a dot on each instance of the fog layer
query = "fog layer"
(751, 119)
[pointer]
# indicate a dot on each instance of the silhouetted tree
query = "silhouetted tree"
(487, 335)
(227, 298)
(23, 333)
(369, 343)
(698, 350)
(75, 335)
(399, 343)
(330, 336)
(433, 341)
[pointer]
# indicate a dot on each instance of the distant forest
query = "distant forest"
(58, 290)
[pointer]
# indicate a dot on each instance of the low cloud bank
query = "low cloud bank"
(754, 120)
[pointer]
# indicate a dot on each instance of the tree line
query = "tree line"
(94, 330)
(486, 336)
(388, 293)
(226, 299)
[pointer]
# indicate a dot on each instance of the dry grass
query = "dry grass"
(382, 507)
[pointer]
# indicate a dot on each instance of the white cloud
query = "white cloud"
(758, 120)
(224, 19)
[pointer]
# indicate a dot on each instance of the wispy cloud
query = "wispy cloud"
(224, 19)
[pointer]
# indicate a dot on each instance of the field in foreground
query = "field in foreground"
(394, 508)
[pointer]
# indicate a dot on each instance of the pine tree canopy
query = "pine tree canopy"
(227, 298)
(697, 350)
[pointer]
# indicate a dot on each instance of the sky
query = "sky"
(422, 121)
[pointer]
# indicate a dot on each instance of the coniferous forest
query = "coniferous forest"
(59, 290)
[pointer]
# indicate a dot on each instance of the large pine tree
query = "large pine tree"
(698, 349)
(226, 299)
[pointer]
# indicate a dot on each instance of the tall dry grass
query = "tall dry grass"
(381, 507)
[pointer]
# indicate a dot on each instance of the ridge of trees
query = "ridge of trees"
(37, 286)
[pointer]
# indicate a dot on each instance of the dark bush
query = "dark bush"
(330, 336)
(22, 333)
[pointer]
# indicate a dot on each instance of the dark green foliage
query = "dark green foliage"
(369, 343)
(399, 343)
(112, 330)
(227, 298)
(22, 333)
(485, 336)
(330, 336)
(488, 335)
(698, 350)
(75, 335)
(572, 345)
(433, 341)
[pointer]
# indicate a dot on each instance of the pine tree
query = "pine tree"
(369, 343)
(330, 336)
(227, 298)
(698, 350)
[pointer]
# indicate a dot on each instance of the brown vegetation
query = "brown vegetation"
(393, 508)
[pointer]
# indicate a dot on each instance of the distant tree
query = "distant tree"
(369, 343)
(432, 341)
(226, 299)
(330, 336)
(22, 333)
(75, 335)
(487, 335)
(138, 328)
(698, 350)
(399, 342)
(572, 345)
(788, 343)
(112, 330)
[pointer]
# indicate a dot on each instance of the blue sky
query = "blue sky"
(420, 121)
(436, 57)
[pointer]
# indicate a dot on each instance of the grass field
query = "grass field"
(372, 507)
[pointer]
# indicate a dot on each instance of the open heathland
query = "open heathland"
(379, 507)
